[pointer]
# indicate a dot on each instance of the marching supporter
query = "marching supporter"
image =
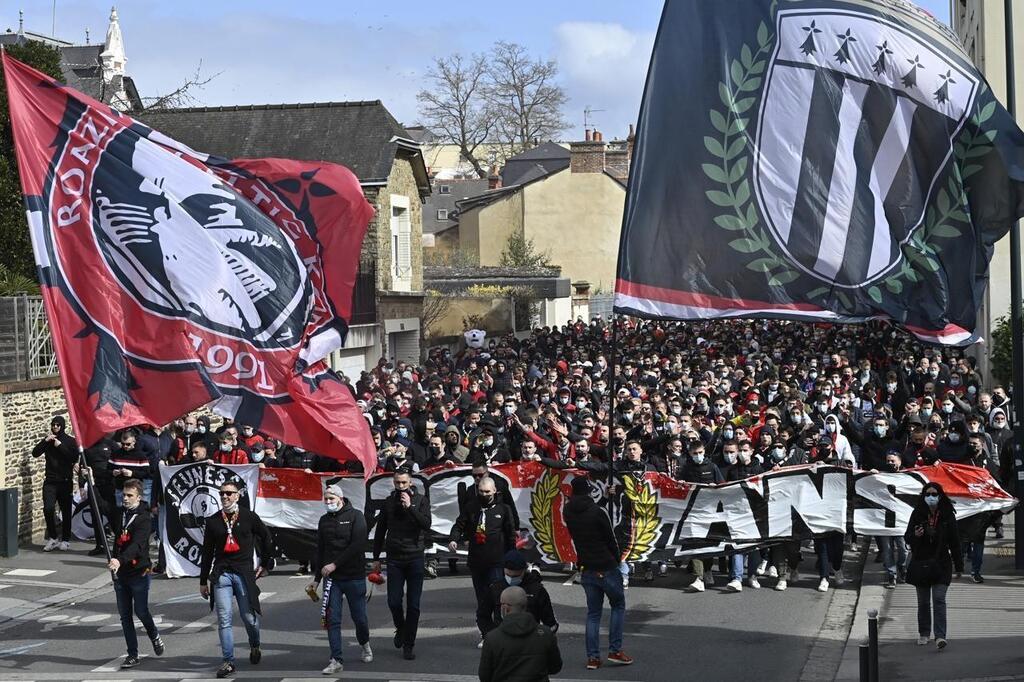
(401, 529)
(131, 566)
(698, 469)
(934, 553)
(893, 547)
(266, 456)
(60, 452)
(248, 439)
(339, 564)
(97, 459)
(519, 648)
(132, 460)
(598, 555)
(740, 465)
(230, 538)
(228, 452)
(519, 574)
(487, 526)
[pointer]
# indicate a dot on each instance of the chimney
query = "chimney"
(587, 156)
(586, 135)
(630, 138)
(616, 160)
(494, 179)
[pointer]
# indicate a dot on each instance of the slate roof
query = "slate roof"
(360, 135)
(458, 190)
(534, 163)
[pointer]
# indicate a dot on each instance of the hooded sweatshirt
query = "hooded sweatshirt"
(61, 453)
(519, 650)
(844, 453)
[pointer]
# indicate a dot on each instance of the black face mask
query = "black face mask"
(894, 467)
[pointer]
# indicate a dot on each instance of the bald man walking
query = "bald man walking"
(519, 648)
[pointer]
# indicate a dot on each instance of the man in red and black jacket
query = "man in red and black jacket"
(228, 451)
(130, 563)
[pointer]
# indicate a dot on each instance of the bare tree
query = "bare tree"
(455, 107)
(435, 307)
(182, 96)
(524, 96)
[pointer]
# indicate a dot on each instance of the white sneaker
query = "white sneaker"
(333, 668)
(753, 583)
(480, 644)
(662, 568)
(625, 582)
(921, 641)
(823, 585)
(781, 585)
(367, 653)
(773, 572)
(734, 586)
(64, 546)
(762, 567)
(50, 545)
(696, 586)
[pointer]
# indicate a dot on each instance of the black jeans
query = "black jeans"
(133, 597)
(54, 493)
(405, 578)
(483, 577)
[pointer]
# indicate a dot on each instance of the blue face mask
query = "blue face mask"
(931, 500)
(403, 432)
(513, 580)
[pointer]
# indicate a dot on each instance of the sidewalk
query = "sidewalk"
(985, 624)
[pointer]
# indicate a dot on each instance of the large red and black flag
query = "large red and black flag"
(816, 160)
(173, 279)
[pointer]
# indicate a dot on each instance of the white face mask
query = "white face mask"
(731, 457)
(257, 456)
(202, 429)
(225, 447)
(232, 508)
(830, 427)
(333, 506)
(779, 454)
(697, 459)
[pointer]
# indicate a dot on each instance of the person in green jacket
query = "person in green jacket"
(519, 649)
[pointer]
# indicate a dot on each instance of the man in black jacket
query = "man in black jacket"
(598, 556)
(339, 560)
(97, 458)
(131, 566)
(517, 575)
(402, 524)
(230, 537)
(486, 525)
(61, 452)
(519, 648)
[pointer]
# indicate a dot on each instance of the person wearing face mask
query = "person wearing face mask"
(60, 453)
(518, 574)
(248, 438)
(487, 526)
(952, 447)
(874, 441)
(934, 553)
(404, 436)
(519, 648)
(893, 548)
(840, 443)
(402, 526)
(339, 565)
(1002, 445)
(489, 446)
(453, 443)
(228, 452)
(740, 465)
(436, 453)
(130, 563)
(230, 538)
(699, 469)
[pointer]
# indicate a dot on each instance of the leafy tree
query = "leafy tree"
(520, 252)
(1001, 354)
(16, 259)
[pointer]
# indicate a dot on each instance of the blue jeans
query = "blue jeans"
(936, 595)
(228, 585)
(483, 578)
(736, 563)
(598, 585)
(975, 551)
(829, 550)
(894, 554)
(405, 578)
(133, 596)
(355, 591)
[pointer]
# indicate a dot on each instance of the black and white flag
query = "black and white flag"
(835, 161)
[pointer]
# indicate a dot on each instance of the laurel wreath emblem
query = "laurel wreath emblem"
(644, 522)
(542, 503)
(733, 147)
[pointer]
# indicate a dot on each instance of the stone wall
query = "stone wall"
(26, 409)
(402, 182)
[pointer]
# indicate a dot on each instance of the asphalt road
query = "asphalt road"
(60, 622)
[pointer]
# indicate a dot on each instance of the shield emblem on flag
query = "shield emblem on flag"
(856, 123)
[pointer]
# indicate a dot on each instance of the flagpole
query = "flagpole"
(94, 506)
(1016, 321)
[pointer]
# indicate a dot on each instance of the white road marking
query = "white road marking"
(29, 572)
(114, 665)
(18, 650)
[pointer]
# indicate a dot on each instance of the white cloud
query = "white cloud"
(604, 66)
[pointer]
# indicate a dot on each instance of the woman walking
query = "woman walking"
(934, 551)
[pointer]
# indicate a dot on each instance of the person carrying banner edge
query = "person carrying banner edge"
(132, 570)
(403, 522)
(230, 537)
(339, 562)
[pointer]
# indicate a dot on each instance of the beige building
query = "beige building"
(571, 211)
(981, 26)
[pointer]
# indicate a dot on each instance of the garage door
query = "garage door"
(405, 346)
(349, 362)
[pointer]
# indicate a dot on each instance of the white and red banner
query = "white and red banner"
(655, 516)
(162, 266)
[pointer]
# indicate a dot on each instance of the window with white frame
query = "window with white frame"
(401, 244)
(445, 189)
(442, 214)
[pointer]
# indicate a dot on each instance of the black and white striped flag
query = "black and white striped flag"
(819, 160)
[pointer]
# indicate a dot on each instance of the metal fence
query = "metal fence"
(26, 348)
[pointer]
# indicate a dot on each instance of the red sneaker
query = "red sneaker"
(593, 663)
(620, 658)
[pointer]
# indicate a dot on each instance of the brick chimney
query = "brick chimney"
(587, 156)
(494, 179)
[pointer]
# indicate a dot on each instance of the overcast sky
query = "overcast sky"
(331, 50)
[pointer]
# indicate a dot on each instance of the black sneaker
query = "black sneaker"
(999, 532)
(398, 638)
(976, 577)
(255, 655)
(408, 654)
(97, 551)
(129, 662)
(225, 670)
(158, 646)
(890, 583)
